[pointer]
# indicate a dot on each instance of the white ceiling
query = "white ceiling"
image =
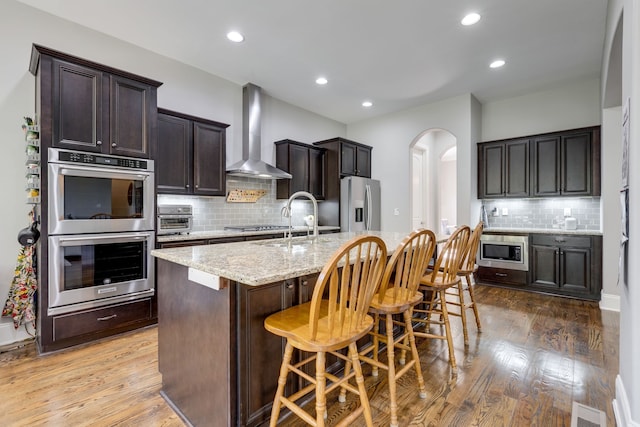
(398, 54)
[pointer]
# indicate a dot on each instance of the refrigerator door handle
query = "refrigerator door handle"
(367, 203)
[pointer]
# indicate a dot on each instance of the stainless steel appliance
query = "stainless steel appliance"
(359, 204)
(101, 230)
(174, 219)
(504, 251)
(91, 193)
(90, 270)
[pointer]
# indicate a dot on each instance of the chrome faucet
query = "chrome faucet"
(286, 211)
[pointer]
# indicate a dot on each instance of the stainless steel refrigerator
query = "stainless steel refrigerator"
(359, 204)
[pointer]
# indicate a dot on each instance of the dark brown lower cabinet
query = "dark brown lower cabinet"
(568, 265)
(560, 264)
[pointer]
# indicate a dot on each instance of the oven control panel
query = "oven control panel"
(88, 158)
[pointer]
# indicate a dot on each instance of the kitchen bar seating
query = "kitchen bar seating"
(397, 295)
(349, 281)
(434, 285)
(468, 269)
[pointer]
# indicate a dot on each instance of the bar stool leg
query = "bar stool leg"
(364, 399)
(282, 381)
(415, 355)
(393, 404)
(473, 300)
(321, 399)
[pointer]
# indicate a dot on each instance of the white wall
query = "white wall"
(391, 137)
(628, 382)
(611, 160)
(185, 89)
(573, 105)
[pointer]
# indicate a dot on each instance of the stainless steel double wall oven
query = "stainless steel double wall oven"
(101, 229)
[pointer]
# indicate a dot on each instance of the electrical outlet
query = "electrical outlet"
(505, 211)
(396, 211)
(567, 211)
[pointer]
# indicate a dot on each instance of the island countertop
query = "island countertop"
(261, 262)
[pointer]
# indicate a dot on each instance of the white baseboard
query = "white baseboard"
(610, 302)
(621, 407)
(10, 335)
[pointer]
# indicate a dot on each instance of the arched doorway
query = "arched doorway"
(433, 180)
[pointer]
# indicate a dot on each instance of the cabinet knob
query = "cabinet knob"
(113, 144)
(289, 285)
(187, 186)
(197, 186)
(98, 142)
(305, 282)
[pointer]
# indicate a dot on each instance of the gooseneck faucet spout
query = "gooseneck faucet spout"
(286, 210)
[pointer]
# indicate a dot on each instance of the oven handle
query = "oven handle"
(101, 173)
(118, 237)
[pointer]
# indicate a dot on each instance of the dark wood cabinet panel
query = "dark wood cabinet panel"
(567, 265)
(545, 154)
(503, 169)
(576, 164)
(174, 154)
(191, 155)
(501, 275)
(209, 160)
(517, 168)
(305, 163)
(363, 161)
(491, 170)
(97, 320)
(343, 158)
(78, 113)
(565, 163)
(101, 112)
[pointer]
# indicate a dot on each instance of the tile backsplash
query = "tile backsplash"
(214, 213)
(544, 213)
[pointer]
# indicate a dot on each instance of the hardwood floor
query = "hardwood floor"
(536, 355)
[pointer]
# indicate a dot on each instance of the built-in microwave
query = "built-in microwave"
(504, 251)
(94, 193)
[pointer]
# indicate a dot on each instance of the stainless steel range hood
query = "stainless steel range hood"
(251, 164)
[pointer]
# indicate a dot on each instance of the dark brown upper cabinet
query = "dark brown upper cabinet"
(354, 158)
(305, 163)
(566, 163)
(557, 164)
(91, 107)
(503, 169)
(190, 155)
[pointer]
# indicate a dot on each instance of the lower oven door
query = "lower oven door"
(92, 270)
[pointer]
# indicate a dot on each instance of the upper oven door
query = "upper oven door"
(93, 199)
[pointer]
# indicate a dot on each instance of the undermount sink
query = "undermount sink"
(286, 243)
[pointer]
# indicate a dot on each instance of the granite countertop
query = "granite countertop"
(218, 234)
(580, 232)
(260, 262)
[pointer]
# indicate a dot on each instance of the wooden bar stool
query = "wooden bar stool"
(434, 285)
(398, 294)
(468, 268)
(348, 282)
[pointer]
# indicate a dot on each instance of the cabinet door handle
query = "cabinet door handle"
(560, 239)
(113, 144)
(98, 142)
(102, 319)
(501, 274)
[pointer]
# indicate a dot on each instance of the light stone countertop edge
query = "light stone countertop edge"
(254, 263)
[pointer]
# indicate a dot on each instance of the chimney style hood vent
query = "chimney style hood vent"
(251, 164)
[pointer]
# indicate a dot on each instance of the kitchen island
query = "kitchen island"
(219, 365)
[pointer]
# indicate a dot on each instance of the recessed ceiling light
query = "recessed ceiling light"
(470, 19)
(321, 81)
(235, 36)
(367, 104)
(497, 63)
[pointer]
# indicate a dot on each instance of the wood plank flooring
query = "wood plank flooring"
(535, 356)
